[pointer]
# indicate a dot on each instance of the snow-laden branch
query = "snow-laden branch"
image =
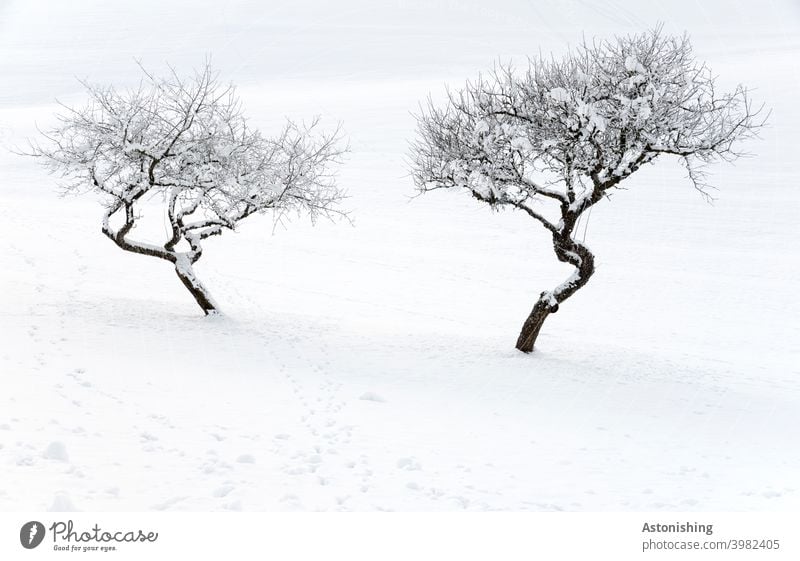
(570, 129)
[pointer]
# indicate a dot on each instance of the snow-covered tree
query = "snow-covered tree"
(556, 139)
(185, 143)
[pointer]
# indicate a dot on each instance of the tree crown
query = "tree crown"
(187, 140)
(570, 129)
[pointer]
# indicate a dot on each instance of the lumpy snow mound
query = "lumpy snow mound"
(371, 366)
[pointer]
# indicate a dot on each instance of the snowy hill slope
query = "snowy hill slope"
(372, 366)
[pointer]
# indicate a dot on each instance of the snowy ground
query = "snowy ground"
(372, 366)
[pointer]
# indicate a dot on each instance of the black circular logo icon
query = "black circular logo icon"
(31, 534)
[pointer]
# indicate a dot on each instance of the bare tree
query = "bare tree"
(185, 143)
(561, 136)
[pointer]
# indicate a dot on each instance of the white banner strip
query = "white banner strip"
(400, 536)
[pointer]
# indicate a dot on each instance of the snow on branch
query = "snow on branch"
(570, 129)
(187, 139)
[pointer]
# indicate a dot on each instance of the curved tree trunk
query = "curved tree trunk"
(183, 261)
(201, 295)
(568, 251)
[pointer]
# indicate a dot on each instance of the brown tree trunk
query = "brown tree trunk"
(183, 261)
(532, 325)
(568, 251)
(193, 285)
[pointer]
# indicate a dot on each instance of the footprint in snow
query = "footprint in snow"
(56, 451)
(168, 503)
(223, 490)
(409, 464)
(62, 503)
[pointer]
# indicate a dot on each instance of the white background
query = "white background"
(371, 367)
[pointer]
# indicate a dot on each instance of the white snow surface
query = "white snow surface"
(371, 367)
